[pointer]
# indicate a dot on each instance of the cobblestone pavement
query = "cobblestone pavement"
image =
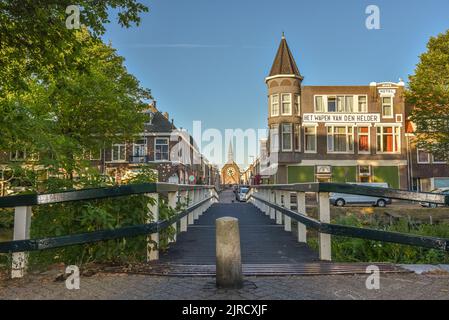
(131, 287)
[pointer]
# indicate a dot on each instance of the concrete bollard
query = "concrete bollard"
(229, 261)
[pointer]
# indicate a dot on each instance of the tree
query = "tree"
(429, 94)
(64, 92)
(36, 48)
(83, 109)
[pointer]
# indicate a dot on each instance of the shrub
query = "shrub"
(346, 249)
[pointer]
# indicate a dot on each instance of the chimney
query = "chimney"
(166, 115)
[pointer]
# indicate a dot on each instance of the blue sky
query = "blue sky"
(207, 59)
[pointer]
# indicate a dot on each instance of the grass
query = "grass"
(345, 249)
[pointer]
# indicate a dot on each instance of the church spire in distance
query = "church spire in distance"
(230, 153)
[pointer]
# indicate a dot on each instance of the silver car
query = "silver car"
(342, 199)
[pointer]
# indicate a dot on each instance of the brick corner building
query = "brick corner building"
(340, 133)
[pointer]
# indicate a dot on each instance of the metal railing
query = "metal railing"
(274, 200)
(197, 198)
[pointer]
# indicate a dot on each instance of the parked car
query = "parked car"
(342, 199)
(242, 195)
(434, 205)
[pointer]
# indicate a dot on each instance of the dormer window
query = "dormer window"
(148, 117)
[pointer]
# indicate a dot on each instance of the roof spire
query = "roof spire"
(284, 63)
(230, 153)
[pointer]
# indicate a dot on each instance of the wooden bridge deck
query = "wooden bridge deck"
(262, 241)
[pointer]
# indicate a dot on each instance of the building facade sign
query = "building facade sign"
(341, 117)
(387, 92)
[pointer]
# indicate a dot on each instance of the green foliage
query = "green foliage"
(429, 94)
(87, 216)
(345, 249)
(36, 41)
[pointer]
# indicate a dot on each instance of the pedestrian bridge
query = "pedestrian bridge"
(273, 230)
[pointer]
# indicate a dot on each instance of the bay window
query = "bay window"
(274, 105)
(340, 139)
(297, 104)
(387, 107)
(309, 139)
(363, 139)
(286, 104)
(274, 138)
(161, 149)
(388, 139)
(287, 137)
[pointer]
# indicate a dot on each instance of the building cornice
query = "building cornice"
(283, 76)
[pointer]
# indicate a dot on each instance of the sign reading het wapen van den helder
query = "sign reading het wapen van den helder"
(341, 117)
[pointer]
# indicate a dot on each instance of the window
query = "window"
(387, 107)
(399, 118)
(310, 139)
(436, 159)
(340, 139)
(118, 152)
(423, 156)
(286, 104)
(342, 104)
(364, 173)
(297, 137)
(140, 148)
(18, 155)
(331, 104)
(363, 136)
(274, 138)
(274, 105)
(319, 104)
(388, 139)
(148, 117)
(161, 149)
(297, 104)
(364, 170)
(349, 104)
(287, 137)
(363, 105)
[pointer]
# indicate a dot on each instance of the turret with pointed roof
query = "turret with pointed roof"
(284, 63)
(284, 88)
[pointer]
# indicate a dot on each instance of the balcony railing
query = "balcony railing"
(139, 159)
